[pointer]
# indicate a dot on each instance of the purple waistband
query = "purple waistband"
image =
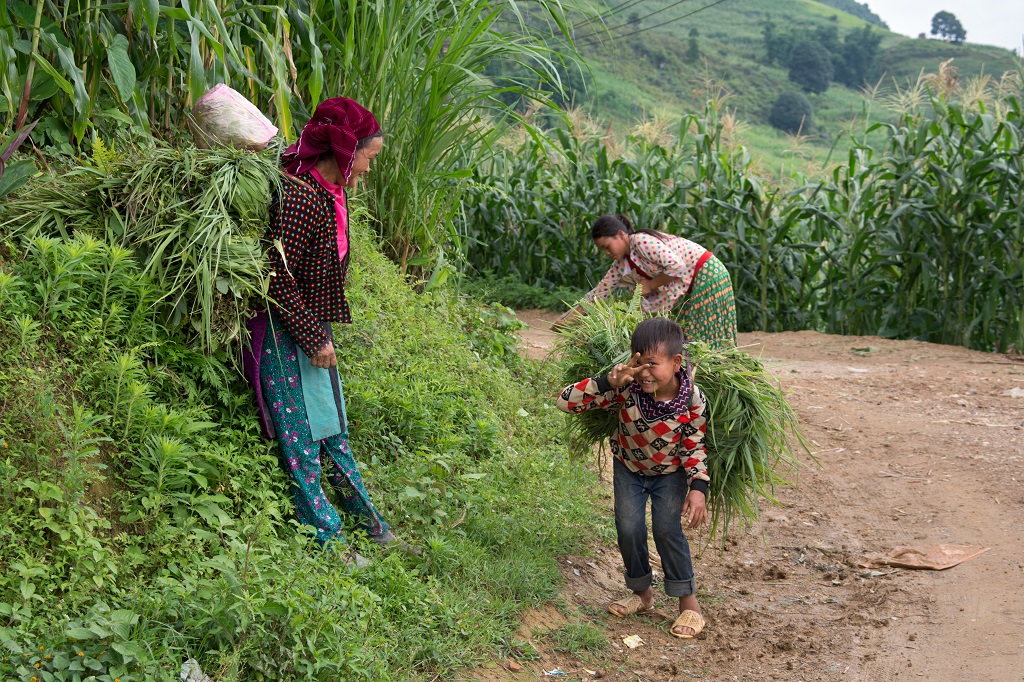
(251, 367)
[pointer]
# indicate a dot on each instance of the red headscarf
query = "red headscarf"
(337, 126)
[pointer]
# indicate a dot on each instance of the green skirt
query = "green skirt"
(708, 312)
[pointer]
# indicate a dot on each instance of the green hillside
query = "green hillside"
(652, 59)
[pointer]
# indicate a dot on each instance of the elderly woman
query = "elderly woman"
(292, 362)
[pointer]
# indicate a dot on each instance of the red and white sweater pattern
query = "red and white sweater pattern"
(648, 443)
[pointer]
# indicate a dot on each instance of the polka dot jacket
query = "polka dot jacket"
(307, 278)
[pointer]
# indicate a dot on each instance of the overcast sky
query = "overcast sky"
(993, 22)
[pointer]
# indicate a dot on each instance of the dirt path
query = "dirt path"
(919, 444)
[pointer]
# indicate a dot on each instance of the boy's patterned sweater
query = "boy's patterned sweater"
(653, 437)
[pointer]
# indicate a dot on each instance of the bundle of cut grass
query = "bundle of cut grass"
(192, 217)
(750, 424)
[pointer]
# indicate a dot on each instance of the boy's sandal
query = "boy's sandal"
(687, 619)
(630, 605)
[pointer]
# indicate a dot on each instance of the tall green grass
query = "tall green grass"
(131, 71)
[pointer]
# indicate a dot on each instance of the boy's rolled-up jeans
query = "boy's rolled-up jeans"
(667, 493)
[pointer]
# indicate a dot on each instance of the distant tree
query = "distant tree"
(946, 26)
(810, 66)
(693, 50)
(771, 36)
(857, 56)
(777, 46)
(857, 9)
(828, 36)
(791, 112)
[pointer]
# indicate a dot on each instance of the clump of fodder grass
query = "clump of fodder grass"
(751, 428)
(192, 217)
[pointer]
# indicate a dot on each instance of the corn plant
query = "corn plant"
(920, 236)
(530, 211)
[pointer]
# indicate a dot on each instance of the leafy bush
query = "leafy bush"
(791, 112)
(810, 66)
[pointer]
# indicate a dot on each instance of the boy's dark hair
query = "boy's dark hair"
(610, 225)
(657, 333)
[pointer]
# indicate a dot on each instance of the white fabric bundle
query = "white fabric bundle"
(223, 117)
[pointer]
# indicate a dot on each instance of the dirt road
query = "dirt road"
(918, 444)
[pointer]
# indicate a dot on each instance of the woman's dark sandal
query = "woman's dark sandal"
(630, 605)
(687, 619)
(391, 541)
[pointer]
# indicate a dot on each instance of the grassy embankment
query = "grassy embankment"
(145, 521)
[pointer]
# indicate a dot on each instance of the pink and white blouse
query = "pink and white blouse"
(649, 257)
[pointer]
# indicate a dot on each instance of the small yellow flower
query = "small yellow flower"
(41, 648)
(36, 664)
(81, 653)
(49, 656)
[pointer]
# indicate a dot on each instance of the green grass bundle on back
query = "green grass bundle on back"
(750, 424)
(193, 217)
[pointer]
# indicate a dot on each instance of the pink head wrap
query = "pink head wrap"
(337, 126)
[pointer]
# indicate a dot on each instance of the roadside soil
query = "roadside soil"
(917, 444)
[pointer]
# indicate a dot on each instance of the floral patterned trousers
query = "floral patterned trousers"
(302, 457)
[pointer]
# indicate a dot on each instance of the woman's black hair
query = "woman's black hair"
(657, 334)
(609, 225)
(364, 141)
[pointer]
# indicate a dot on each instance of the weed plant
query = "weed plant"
(144, 521)
(578, 639)
(514, 293)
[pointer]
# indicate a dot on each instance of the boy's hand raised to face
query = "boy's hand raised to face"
(624, 374)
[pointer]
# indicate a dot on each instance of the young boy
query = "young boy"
(659, 454)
